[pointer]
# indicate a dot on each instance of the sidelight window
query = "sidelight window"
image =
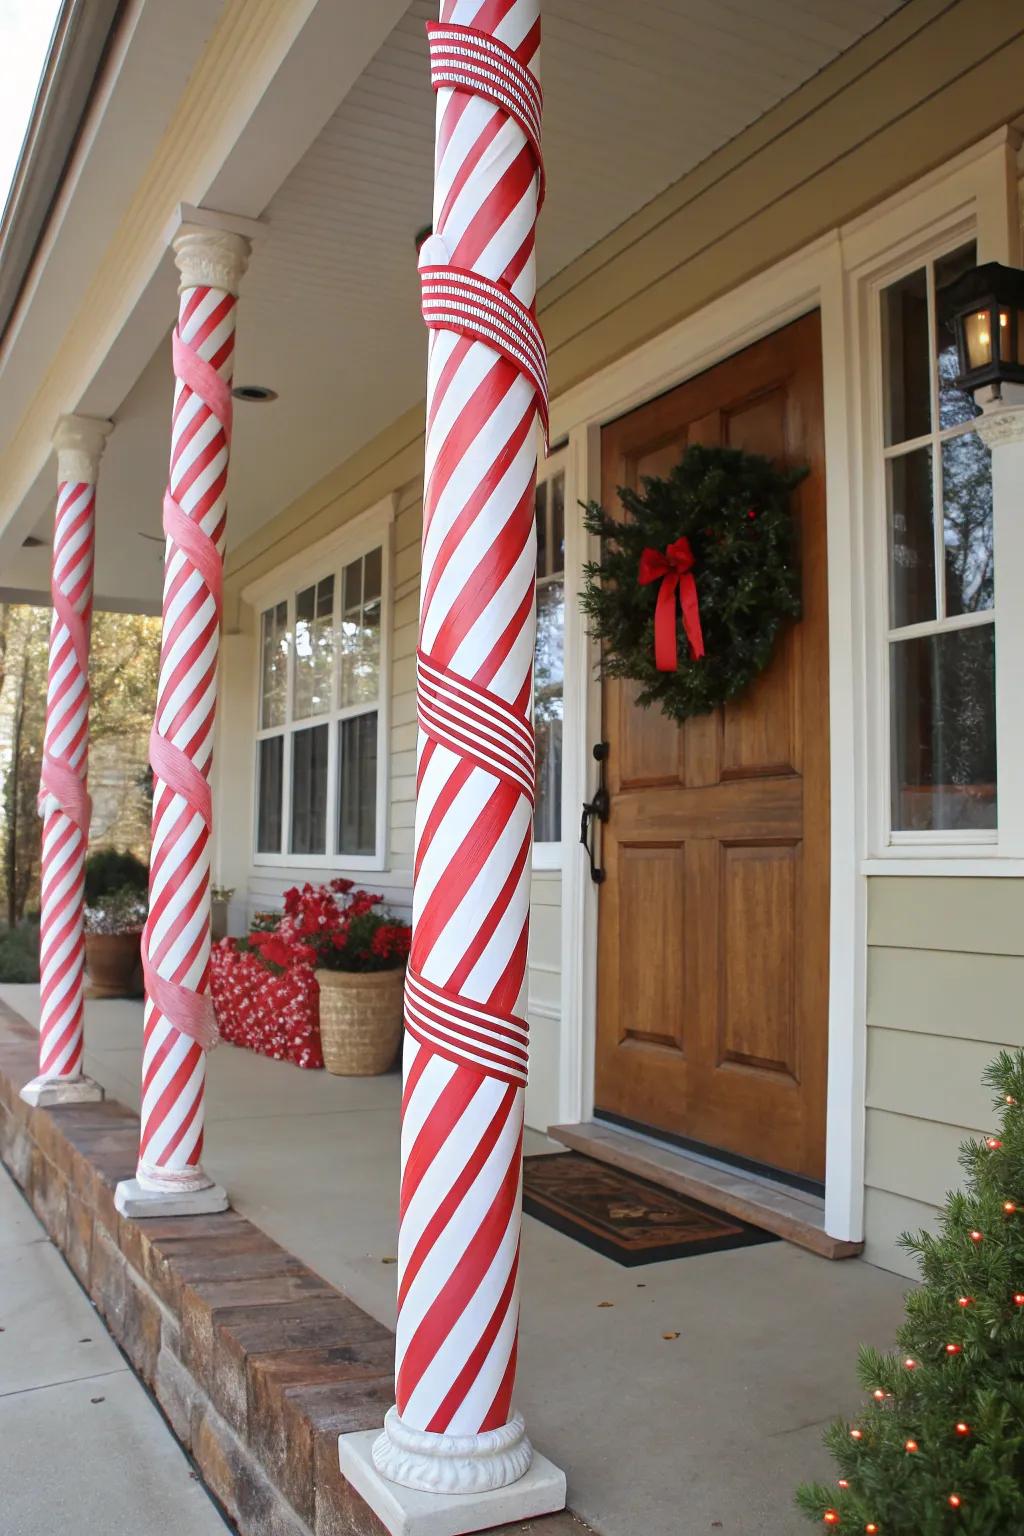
(940, 560)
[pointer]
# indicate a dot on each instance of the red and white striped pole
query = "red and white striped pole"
(179, 1025)
(453, 1430)
(63, 797)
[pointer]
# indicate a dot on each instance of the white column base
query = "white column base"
(45, 1092)
(406, 1511)
(133, 1199)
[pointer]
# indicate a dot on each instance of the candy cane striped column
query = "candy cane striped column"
(179, 1025)
(63, 797)
(453, 1430)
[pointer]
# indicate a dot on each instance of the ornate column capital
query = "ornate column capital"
(79, 442)
(210, 258)
(998, 426)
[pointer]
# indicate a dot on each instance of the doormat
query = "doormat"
(623, 1217)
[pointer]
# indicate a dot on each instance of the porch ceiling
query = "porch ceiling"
(635, 97)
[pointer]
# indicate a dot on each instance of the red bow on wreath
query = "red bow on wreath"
(675, 570)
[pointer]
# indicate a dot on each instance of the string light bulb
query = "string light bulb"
(871, 1528)
(954, 1349)
(910, 1446)
(910, 1364)
(831, 1517)
(1010, 1099)
(878, 1395)
(856, 1434)
(1018, 1298)
(965, 1301)
(993, 1143)
(976, 1236)
(963, 1429)
(843, 1483)
(1009, 1207)
(954, 1501)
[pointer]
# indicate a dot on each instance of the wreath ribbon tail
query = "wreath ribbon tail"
(666, 654)
(691, 617)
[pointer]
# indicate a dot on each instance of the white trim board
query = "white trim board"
(975, 185)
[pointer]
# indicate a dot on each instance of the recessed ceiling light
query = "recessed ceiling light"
(256, 394)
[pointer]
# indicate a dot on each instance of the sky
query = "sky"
(25, 30)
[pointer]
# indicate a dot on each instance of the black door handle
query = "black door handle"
(598, 807)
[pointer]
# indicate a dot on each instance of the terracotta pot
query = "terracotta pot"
(114, 964)
(360, 1020)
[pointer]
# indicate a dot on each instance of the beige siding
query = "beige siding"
(945, 982)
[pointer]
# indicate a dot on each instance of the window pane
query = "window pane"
(558, 522)
(273, 665)
(309, 790)
(371, 575)
(540, 504)
(357, 784)
(955, 405)
(911, 538)
(270, 762)
(944, 732)
(548, 681)
(905, 350)
(314, 649)
(967, 523)
(359, 643)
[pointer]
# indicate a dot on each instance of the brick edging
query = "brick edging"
(258, 1363)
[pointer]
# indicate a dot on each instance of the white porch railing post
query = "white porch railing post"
(179, 1026)
(63, 797)
(453, 1434)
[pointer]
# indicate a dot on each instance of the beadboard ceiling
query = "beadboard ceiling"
(636, 94)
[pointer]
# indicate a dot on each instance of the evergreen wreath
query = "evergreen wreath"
(733, 508)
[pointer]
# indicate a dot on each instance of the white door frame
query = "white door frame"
(818, 277)
(811, 280)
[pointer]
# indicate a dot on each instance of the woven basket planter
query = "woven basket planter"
(360, 1020)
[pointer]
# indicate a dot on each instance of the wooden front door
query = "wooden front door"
(713, 920)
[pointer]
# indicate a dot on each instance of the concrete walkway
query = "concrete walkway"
(82, 1447)
(705, 1431)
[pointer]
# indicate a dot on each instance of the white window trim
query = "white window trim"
(548, 857)
(370, 530)
(886, 844)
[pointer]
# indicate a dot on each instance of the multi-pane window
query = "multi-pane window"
(317, 752)
(940, 556)
(549, 663)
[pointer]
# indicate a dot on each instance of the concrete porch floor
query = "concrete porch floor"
(707, 1432)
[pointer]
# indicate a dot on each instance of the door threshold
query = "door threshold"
(792, 1214)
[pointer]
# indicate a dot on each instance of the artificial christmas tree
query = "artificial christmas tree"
(939, 1446)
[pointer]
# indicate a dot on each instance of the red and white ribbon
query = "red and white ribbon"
(63, 797)
(179, 1021)
(466, 1040)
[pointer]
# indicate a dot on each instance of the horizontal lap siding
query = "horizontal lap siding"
(945, 982)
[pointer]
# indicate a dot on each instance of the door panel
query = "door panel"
(713, 920)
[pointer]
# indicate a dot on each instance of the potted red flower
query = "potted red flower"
(359, 951)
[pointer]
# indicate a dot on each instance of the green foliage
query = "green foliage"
(734, 508)
(968, 1299)
(113, 869)
(19, 953)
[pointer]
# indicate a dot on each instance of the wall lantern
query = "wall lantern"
(985, 307)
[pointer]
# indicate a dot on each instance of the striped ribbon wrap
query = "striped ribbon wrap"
(466, 1051)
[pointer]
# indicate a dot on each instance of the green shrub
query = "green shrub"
(110, 869)
(19, 953)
